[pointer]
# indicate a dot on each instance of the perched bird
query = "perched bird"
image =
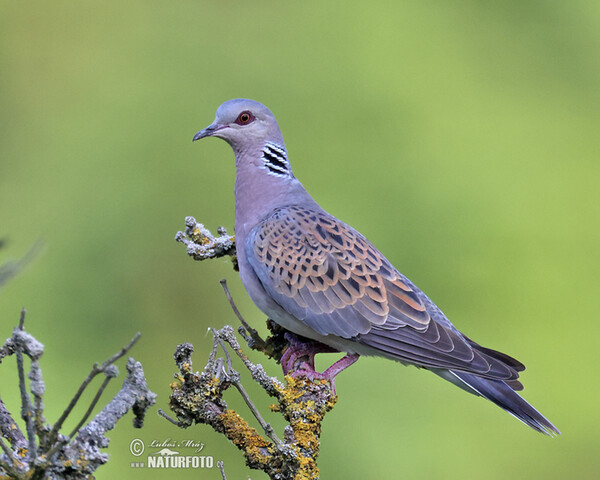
(319, 278)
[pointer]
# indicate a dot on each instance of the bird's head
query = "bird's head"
(243, 124)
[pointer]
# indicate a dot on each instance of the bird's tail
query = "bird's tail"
(502, 395)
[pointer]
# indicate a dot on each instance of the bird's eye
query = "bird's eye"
(244, 118)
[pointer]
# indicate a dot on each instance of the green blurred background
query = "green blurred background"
(461, 137)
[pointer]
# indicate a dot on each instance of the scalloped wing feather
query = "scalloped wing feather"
(317, 266)
(331, 278)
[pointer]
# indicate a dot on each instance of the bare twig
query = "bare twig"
(260, 343)
(120, 354)
(22, 319)
(265, 426)
(110, 372)
(222, 469)
(134, 395)
(78, 455)
(26, 408)
(96, 369)
(163, 414)
(234, 377)
(271, 385)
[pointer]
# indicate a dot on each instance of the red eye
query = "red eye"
(244, 118)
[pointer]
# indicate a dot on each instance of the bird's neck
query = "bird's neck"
(258, 192)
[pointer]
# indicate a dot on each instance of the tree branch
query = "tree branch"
(44, 452)
(96, 369)
(198, 397)
(202, 244)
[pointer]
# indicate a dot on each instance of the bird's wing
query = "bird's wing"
(332, 279)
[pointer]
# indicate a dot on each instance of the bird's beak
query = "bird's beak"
(208, 131)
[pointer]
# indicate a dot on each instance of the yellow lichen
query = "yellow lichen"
(186, 367)
(242, 354)
(245, 437)
(212, 387)
(305, 418)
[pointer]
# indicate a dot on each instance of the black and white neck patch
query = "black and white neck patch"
(275, 159)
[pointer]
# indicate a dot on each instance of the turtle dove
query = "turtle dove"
(319, 278)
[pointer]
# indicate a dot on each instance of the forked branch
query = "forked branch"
(44, 452)
(198, 396)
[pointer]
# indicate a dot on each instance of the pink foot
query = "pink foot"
(298, 349)
(328, 374)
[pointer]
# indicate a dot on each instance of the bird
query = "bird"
(322, 280)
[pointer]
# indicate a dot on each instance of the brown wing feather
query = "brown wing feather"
(334, 280)
(324, 265)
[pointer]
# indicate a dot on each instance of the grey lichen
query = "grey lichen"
(198, 398)
(43, 451)
(202, 244)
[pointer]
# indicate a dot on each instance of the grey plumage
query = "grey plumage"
(320, 278)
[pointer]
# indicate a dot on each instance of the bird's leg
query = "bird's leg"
(297, 349)
(292, 354)
(294, 349)
(328, 374)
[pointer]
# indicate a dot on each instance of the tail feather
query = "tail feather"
(503, 357)
(505, 397)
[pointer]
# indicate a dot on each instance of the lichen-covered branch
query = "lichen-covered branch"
(202, 244)
(44, 452)
(198, 396)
